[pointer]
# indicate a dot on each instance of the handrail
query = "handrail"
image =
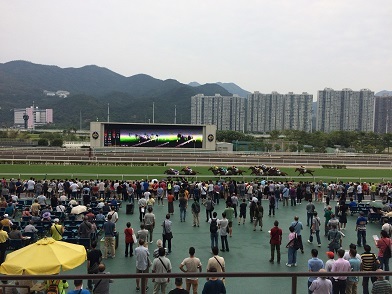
(143, 276)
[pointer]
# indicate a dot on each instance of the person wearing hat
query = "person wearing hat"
(57, 230)
(6, 222)
(330, 261)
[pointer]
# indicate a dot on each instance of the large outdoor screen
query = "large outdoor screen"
(162, 136)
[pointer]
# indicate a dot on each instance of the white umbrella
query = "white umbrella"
(78, 209)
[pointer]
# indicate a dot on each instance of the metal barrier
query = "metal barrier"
(293, 275)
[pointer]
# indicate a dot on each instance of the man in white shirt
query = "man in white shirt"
(192, 264)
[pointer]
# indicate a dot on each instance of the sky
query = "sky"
(285, 46)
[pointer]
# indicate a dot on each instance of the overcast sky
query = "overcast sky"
(293, 45)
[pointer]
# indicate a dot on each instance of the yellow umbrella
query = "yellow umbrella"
(46, 256)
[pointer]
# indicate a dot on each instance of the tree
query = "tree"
(293, 148)
(57, 142)
(43, 142)
(277, 147)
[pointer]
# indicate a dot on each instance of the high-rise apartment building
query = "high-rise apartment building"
(275, 111)
(383, 114)
(226, 112)
(34, 117)
(345, 110)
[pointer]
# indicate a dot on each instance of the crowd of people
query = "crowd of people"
(242, 201)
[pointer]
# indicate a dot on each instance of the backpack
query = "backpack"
(53, 287)
(387, 251)
(296, 243)
(214, 226)
(196, 207)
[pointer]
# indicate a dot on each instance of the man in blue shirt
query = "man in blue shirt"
(361, 229)
(298, 227)
(314, 265)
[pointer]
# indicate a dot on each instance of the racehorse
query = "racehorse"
(218, 170)
(275, 172)
(303, 171)
(189, 171)
(235, 171)
(171, 171)
(257, 171)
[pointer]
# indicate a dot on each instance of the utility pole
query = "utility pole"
(108, 113)
(80, 118)
(175, 114)
(153, 112)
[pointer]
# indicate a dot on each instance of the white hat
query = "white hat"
(56, 220)
(6, 215)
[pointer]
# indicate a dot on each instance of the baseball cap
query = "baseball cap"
(56, 220)
(330, 254)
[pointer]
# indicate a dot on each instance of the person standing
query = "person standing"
(315, 264)
(321, 285)
(369, 263)
(381, 286)
(327, 216)
(142, 203)
(209, 205)
(309, 212)
(292, 251)
(298, 227)
(223, 231)
(79, 288)
(214, 285)
(149, 222)
(57, 230)
(334, 237)
(340, 265)
(183, 204)
(229, 211)
(214, 230)
(161, 265)
(102, 286)
(142, 262)
(315, 229)
(361, 229)
(110, 231)
(191, 264)
(167, 233)
(3, 243)
(217, 262)
(383, 254)
(352, 282)
(170, 203)
(271, 200)
(258, 216)
(178, 289)
(195, 212)
(234, 204)
(242, 214)
(85, 228)
(275, 242)
(94, 257)
(129, 239)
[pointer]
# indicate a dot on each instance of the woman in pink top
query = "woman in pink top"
(292, 254)
(382, 245)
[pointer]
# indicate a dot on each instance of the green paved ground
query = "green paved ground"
(249, 250)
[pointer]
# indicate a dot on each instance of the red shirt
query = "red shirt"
(128, 235)
(276, 236)
(170, 198)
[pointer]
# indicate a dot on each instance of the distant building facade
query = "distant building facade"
(275, 111)
(36, 117)
(383, 114)
(226, 112)
(345, 110)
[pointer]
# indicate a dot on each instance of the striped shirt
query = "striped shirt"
(368, 260)
(382, 287)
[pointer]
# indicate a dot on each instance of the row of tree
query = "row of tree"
(353, 141)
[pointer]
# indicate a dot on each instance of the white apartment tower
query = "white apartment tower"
(345, 110)
(275, 111)
(226, 112)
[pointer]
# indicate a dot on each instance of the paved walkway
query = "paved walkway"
(249, 250)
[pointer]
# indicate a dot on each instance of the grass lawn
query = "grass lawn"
(85, 171)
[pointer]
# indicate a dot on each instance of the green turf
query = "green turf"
(89, 171)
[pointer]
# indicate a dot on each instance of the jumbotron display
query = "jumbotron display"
(169, 136)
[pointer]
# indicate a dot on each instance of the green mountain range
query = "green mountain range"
(91, 89)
